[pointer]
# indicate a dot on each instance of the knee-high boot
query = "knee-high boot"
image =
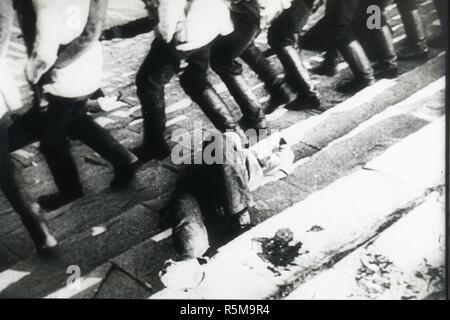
(359, 64)
(386, 67)
(214, 108)
(153, 144)
(277, 87)
(415, 33)
(298, 77)
(252, 110)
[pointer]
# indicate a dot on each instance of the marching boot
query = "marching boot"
(415, 34)
(328, 67)
(387, 57)
(153, 144)
(253, 114)
(65, 174)
(100, 140)
(214, 108)
(359, 64)
(278, 89)
(298, 77)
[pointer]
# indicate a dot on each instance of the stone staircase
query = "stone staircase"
(119, 244)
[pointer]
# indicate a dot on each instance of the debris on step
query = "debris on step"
(315, 228)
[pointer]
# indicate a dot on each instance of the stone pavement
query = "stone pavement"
(118, 241)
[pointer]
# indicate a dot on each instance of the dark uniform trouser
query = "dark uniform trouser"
(227, 49)
(224, 52)
(284, 29)
(442, 9)
(380, 39)
(198, 196)
(412, 22)
(66, 118)
(12, 185)
(160, 65)
(334, 29)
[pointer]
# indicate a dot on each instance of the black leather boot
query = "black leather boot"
(153, 144)
(65, 174)
(278, 89)
(253, 114)
(358, 62)
(101, 141)
(214, 108)
(328, 67)
(386, 67)
(415, 33)
(298, 78)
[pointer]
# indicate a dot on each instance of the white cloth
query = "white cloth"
(204, 21)
(83, 77)
(58, 23)
(262, 166)
(10, 98)
(170, 13)
(182, 275)
(271, 9)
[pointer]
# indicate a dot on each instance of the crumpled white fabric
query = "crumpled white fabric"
(184, 274)
(264, 167)
(10, 97)
(204, 21)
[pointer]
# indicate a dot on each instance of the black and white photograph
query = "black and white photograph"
(226, 150)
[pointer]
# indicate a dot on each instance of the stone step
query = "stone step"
(89, 212)
(315, 132)
(69, 222)
(330, 223)
(75, 219)
(34, 277)
(406, 262)
(359, 148)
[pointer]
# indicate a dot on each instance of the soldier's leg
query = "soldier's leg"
(282, 38)
(342, 13)
(224, 53)
(195, 83)
(55, 147)
(13, 187)
(156, 70)
(440, 41)
(381, 39)
(415, 31)
(84, 128)
(316, 39)
(280, 93)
